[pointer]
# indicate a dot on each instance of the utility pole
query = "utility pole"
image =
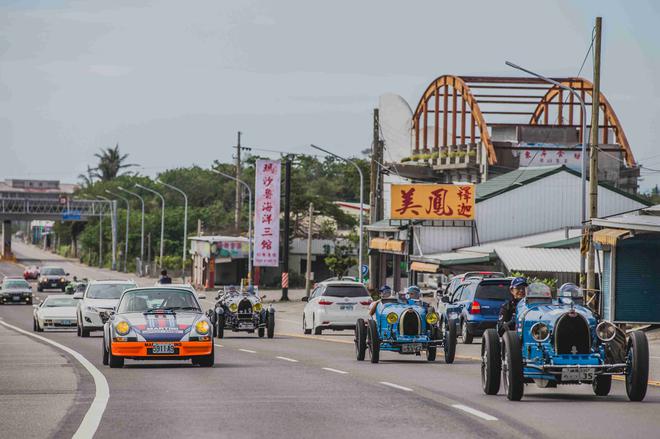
(375, 201)
(237, 214)
(100, 238)
(593, 160)
(308, 275)
(285, 241)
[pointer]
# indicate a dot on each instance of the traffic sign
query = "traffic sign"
(71, 215)
(365, 270)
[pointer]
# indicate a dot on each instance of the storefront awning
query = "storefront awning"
(388, 245)
(609, 236)
(424, 267)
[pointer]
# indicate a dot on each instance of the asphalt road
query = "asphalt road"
(303, 386)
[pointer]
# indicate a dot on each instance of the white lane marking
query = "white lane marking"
(396, 386)
(330, 369)
(655, 358)
(92, 419)
(475, 412)
(248, 351)
(219, 345)
(291, 360)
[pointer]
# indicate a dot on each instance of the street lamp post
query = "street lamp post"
(361, 202)
(113, 229)
(128, 216)
(185, 226)
(162, 220)
(583, 210)
(141, 227)
(250, 219)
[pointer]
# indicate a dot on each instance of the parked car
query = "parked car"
(242, 311)
(406, 325)
(156, 323)
(96, 303)
(475, 305)
(52, 278)
(31, 273)
(15, 290)
(562, 342)
(336, 305)
(55, 312)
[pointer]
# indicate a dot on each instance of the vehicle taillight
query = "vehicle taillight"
(475, 308)
(366, 302)
(325, 302)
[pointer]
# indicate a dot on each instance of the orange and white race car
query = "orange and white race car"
(156, 323)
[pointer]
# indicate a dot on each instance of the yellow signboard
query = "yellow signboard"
(432, 201)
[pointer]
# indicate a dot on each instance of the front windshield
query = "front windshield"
(55, 302)
(15, 285)
(53, 272)
(107, 291)
(158, 299)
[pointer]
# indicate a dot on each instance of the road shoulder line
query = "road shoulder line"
(475, 412)
(92, 419)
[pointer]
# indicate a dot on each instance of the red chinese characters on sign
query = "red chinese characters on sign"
(407, 203)
(432, 201)
(267, 213)
(438, 203)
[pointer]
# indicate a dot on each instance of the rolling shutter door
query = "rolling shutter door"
(638, 280)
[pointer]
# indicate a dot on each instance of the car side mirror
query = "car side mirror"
(444, 299)
(305, 299)
(78, 295)
(202, 296)
(67, 274)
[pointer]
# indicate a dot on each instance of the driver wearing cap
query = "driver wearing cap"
(385, 293)
(507, 319)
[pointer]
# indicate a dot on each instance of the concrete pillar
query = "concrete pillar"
(396, 273)
(6, 240)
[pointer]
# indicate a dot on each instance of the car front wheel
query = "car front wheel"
(491, 362)
(105, 354)
(512, 368)
(637, 368)
(373, 342)
(115, 361)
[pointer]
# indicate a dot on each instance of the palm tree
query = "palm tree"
(111, 162)
(87, 179)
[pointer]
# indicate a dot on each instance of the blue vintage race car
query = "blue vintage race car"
(562, 341)
(406, 325)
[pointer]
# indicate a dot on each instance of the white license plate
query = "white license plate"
(16, 298)
(346, 307)
(163, 348)
(65, 322)
(578, 374)
(410, 348)
(246, 326)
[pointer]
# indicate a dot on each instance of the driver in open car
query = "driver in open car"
(507, 318)
(385, 293)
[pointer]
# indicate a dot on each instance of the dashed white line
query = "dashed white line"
(219, 345)
(330, 369)
(248, 351)
(396, 386)
(475, 412)
(290, 360)
(92, 419)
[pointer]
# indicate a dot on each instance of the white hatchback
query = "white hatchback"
(335, 305)
(100, 297)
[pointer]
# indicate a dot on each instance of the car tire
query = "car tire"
(39, 289)
(466, 336)
(84, 332)
(114, 361)
(34, 325)
(317, 329)
(374, 342)
(491, 362)
(305, 330)
(270, 325)
(78, 327)
(602, 385)
(64, 289)
(360, 339)
(512, 367)
(220, 326)
(637, 371)
(261, 332)
(105, 354)
(206, 360)
(450, 341)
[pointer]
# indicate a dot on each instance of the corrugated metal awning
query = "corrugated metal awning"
(453, 258)
(553, 260)
(609, 236)
(424, 267)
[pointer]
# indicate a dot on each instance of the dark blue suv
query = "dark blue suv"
(475, 305)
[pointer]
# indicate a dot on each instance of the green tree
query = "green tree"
(110, 165)
(341, 259)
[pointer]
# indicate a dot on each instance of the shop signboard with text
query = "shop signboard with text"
(432, 201)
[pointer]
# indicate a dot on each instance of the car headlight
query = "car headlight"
(202, 327)
(392, 318)
(432, 318)
(91, 309)
(122, 328)
(540, 332)
(62, 279)
(605, 331)
(233, 307)
(257, 307)
(43, 279)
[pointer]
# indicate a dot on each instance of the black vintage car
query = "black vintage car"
(52, 278)
(242, 311)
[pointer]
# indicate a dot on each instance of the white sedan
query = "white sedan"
(55, 312)
(335, 305)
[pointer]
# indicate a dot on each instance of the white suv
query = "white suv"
(336, 305)
(100, 297)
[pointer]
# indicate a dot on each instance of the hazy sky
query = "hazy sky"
(172, 81)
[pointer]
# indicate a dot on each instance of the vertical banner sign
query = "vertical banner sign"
(267, 214)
